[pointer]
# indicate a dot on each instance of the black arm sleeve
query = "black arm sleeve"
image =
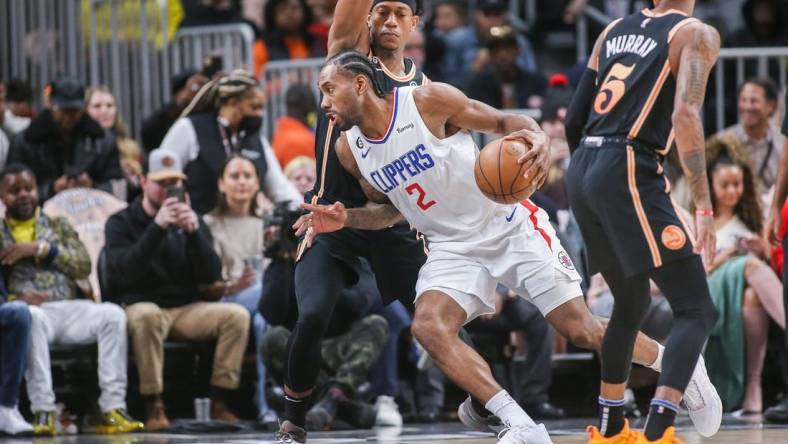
(577, 114)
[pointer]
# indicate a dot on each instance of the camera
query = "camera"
(280, 240)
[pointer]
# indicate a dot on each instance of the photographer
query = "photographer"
(224, 119)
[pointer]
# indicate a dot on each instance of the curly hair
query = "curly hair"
(726, 150)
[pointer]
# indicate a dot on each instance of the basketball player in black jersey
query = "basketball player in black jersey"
(643, 91)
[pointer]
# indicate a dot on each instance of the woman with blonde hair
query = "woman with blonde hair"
(102, 106)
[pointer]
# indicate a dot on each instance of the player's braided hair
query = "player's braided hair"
(355, 63)
(214, 93)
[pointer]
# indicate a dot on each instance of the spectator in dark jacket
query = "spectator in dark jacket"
(184, 87)
(503, 84)
(65, 147)
(159, 255)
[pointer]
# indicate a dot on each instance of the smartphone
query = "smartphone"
(177, 192)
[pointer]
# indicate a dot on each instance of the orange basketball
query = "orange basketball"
(499, 176)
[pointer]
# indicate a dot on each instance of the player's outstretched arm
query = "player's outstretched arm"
(696, 47)
(349, 29)
(442, 105)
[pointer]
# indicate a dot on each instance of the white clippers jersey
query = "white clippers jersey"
(431, 180)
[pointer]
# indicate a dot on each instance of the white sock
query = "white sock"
(506, 408)
(657, 364)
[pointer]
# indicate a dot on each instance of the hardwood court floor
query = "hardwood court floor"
(735, 431)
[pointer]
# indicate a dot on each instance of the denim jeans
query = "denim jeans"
(250, 298)
(15, 323)
(383, 375)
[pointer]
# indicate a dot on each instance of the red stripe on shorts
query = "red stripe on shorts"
(533, 209)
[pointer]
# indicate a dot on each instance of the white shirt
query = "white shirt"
(729, 234)
(4, 146)
(181, 140)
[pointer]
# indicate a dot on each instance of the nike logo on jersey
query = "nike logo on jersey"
(360, 145)
(631, 43)
(511, 216)
(398, 171)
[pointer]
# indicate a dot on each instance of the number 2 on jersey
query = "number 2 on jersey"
(416, 188)
(612, 88)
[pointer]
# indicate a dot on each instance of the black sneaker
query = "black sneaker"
(777, 413)
(290, 433)
(322, 414)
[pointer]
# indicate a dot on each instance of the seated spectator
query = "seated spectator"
(553, 115)
(43, 258)
(745, 290)
(503, 84)
(4, 142)
(19, 107)
(15, 325)
(225, 119)
(210, 12)
(237, 233)
(159, 254)
(459, 40)
(184, 87)
(287, 34)
(294, 135)
(103, 108)
(323, 17)
(534, 374)
(301, 173)
(765, 24)
(64, 147)
(490, 14)
(759, 136)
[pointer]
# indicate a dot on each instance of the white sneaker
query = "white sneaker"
(703, 402)
(471, 419)
(525, 435)
(12, 422)
(387, 412)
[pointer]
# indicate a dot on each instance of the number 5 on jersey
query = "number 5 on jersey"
(416, 188)
(612, 88)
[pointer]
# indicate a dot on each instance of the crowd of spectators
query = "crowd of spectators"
(203, 250)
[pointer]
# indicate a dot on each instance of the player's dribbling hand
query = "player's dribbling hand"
(538, 156)
(321, 219)
(706, 243)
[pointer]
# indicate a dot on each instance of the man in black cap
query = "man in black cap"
(184, 87)
(65, 147)
(490, 14)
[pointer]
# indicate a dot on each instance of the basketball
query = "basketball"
(499, 176)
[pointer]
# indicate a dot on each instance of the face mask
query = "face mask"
(250, 124)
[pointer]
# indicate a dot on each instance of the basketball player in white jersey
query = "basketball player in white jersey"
(411, 151)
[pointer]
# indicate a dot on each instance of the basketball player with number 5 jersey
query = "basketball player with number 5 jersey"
(641, 93)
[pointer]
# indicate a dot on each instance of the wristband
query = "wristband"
(706, 212)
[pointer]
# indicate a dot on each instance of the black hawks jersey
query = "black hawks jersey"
(333, 182)
(635, 87)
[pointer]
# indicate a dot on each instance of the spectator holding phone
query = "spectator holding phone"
(160, 258)
(745, 290)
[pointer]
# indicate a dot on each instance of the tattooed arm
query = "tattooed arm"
(693, 52)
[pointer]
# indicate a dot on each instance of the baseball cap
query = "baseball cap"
(67, 92)
(492, 5)
(164, 164)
